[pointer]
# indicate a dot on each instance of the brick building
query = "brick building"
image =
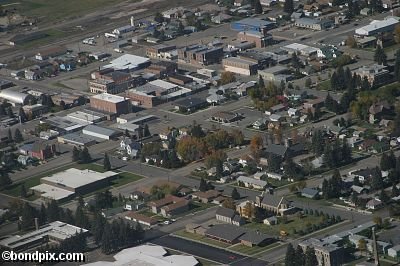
(200, 55)
(110, 103)
(112, 82)
(260, 39)
(240, 66)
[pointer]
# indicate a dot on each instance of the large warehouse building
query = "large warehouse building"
(66, 184)
(15, 97)
(100, 132)
(252, 24)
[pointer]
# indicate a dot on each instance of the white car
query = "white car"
(167, 222)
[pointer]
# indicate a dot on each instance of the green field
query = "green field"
(53, 10)
(52, 35)
(294, 223)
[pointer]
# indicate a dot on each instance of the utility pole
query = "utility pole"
(376, 256)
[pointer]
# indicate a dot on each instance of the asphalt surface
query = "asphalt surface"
(204, 251)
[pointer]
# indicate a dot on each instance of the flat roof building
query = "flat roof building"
(252, 24)
(128, 62)
(78, 139)
(100, 132)
(147, 255)
(56, 231)
(378, 26)
(240, 66)
(113, 104)
(71, 180)
(313, 24)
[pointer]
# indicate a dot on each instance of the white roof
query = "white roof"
(55, 229)
(375, 25)
(13, 96)
(52, 192)
(163, 84)
(147, 255)
(109, 97)
(301, 48)
(251, 180)
(73, 177)
(127, 61)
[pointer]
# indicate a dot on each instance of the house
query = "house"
(278, 205)
(394, 252)
(134, 205)
(206, 196)
(39, 149)
(293, 112)
(270, 220)
(130, 146)
(378, 110)
(374, 204)
(225, 117)
(24, 160)
(140, 218)
(252, 182)
(358, 189)
(309, 193)
(195, 229)
(229, 216)
(219, 200)
(158, 204)
(190, 105)
(241, 208)
(362, 174)
(139, 195)
(260, 124)
(175, 208)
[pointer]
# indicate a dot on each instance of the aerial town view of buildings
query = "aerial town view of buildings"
(201, 132)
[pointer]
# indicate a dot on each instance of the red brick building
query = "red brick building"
(110, 103)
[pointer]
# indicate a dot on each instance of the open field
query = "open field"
(54, 10)
(294, 224)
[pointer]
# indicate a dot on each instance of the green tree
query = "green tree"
(146, 131)
(300, 257)
(106, 163)
(23, 192)
(396, 71)
(5, 180)
(84, 156)
(235, 194)
(290, 258)
(22, 115)
(311, 259)
(9, 135)
(158, 17)
(203, 185)
(380, 56)
(288, 6)
(257, 7)
(308, 83)
(75, 154)
(377, 180)
(18, 136)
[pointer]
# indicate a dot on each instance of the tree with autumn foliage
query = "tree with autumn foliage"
(191, 149)
(256, 144)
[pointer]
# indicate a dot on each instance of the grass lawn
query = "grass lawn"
(277, 183)
(125, 178)
(294, 223)
(251, 250)
(324, 85)
(53, 10)
(202, 239)
(52, 35)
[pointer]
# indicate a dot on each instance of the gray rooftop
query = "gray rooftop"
(99, 130)
(226, 232)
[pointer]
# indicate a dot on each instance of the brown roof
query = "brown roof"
(176, 205)
(140, 217)
(207, 194)
(165, 201)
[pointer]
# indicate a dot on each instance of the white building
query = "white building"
(56, 231)
(99, 132)
(252, 182)
(378, 26)
(128, 62)
(148, 255)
